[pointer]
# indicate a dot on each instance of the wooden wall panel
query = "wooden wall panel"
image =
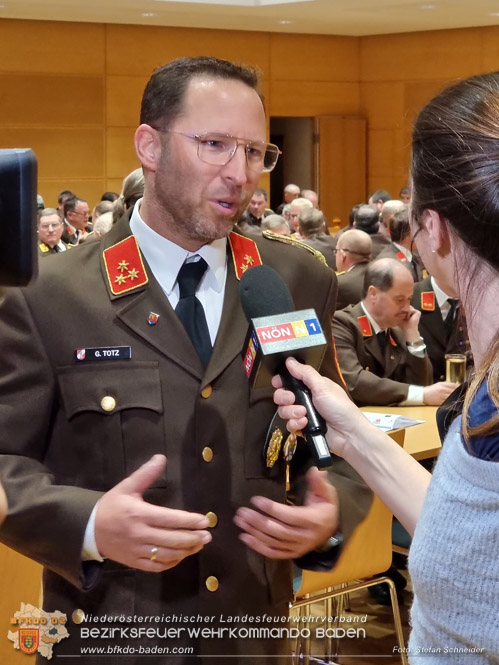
(51, 46)
(307, 99)
(447, 54)
(63, 152)
(490, 49)
(137, 50)
(383, 103)
(121, 156)
(313, 58)
(123, 95)
(55, 100)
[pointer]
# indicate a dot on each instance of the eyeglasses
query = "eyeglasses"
(79, 212)
(219, 149)
(343, 249)
(47, 227)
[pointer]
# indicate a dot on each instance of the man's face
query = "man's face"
(50, 230)
(79, 216)
(257, 205)
(405, 197)
(390, 308)
(195, 202)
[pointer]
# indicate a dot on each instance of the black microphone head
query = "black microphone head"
(264, 293)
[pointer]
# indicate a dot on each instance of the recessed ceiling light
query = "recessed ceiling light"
(494, 14)
(149, 15)
(427, 7)
(285, 22)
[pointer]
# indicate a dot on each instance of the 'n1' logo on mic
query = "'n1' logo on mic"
(289, 330)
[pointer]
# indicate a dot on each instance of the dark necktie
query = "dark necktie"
(449, 319)
(382, 341)
(189, 309)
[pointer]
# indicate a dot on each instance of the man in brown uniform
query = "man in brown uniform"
(381, 353)
(126, 379)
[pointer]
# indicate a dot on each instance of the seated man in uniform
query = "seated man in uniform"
(401, 244)
(442, 324)
(381, 353)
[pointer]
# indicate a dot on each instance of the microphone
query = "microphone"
(276, 332)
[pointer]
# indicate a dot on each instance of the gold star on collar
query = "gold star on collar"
(133, 274)
(122, 265)
(249, 260)
(120, 279)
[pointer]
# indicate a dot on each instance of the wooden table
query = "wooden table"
(421, 441)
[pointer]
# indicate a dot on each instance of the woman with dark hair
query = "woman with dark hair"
(455, 518)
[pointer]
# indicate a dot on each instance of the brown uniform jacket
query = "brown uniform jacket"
(351, 285)
(326, 245)
(432, 329)
(61, 449)
(374, 378)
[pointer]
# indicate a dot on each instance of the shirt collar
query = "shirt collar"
(165, 258)
(441, 296)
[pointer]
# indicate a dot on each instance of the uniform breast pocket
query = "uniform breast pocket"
(113, 419)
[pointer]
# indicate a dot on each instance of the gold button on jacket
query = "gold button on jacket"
(108, 403)
(212, 583)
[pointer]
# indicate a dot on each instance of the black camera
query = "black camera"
(18, 216)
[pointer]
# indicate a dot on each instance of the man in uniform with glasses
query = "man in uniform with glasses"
(49, 232)
(139, 480)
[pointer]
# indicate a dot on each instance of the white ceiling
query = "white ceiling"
(331, 17)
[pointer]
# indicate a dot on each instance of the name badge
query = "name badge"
(103, 353)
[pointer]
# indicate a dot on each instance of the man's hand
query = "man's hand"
(127, 528)
(437, 393)
(410, 326)
(287, 532)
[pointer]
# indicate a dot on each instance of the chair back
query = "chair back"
(367, 552)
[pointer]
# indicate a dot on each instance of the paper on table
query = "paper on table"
(388, 421)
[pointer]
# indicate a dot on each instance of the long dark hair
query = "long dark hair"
(455, 172)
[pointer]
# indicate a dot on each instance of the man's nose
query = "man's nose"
(237, 167)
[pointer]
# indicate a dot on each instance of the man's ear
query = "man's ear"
(438, 231)
(148, 146)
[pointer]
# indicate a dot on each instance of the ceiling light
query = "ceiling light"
(284, 22)
(494, 14)
(149, 15)
(427, 7)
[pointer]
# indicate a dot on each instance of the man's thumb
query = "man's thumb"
(143, 477)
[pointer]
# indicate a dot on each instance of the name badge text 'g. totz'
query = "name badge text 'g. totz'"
(97, 353)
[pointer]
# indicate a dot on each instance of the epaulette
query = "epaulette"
(428, 301)
(124, 267)
(401, 257)
(43, 248)
(270, 235)
(245, 253)
(365, 326)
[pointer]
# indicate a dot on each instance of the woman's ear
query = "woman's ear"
(148, 146)
(437, 230)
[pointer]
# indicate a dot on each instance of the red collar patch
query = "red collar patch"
(244, 253)
(428, 301)
(392, 341)
(124, 267)
(401, 257)
(365, 326)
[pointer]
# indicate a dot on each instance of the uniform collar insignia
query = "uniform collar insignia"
(44, 248)
(401, 257)
(245, 253)
(365, 326)
(428, 301)
(392, 341)
(124, 267)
